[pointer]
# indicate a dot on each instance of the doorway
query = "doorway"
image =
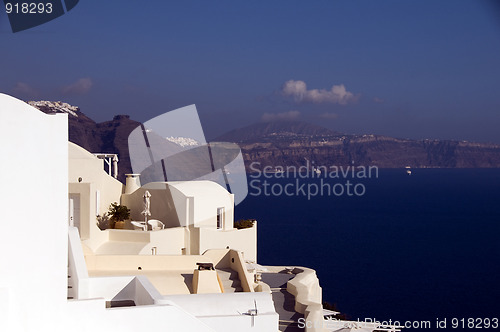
(74, 211)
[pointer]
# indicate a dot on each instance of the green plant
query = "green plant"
(244, 223)
(118, 212)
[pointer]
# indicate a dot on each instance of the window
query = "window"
(220, 218)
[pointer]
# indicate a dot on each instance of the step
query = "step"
(233, 290)
(230, 280)
(231, 284)
(227, 274)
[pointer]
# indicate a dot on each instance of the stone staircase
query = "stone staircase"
(230, 280)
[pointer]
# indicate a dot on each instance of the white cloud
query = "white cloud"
(329, 116)
(291, 115)
(336, 95)
(79, 87)
(24, 90)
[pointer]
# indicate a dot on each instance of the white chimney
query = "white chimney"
(132, 183)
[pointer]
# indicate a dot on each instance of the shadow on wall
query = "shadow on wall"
(162, 205)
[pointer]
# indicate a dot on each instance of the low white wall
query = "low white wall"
(127, 235)
(308, 296)
(132, 262)
(168, 241)
(244, 240)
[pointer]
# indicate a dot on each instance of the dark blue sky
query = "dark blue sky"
(417, 69)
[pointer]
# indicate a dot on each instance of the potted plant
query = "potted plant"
(103, 221)
(244, 223)
(118, 214)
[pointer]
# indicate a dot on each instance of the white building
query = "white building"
(60, 272)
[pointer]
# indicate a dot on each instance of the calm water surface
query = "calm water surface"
(417, 247)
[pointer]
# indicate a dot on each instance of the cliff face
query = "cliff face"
(273, 145)
(105, 137)
(291, 143)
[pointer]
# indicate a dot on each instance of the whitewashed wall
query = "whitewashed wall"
(34, 205)
(244, 240)
(34, 237)
(97, 189)
(230, 313)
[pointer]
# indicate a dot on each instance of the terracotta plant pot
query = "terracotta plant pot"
(119, 224)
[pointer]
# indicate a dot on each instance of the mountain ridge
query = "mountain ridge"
(275, 130)
(290, 143)
(104, 137)
(325, 147)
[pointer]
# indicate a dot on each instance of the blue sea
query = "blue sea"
(423, 247)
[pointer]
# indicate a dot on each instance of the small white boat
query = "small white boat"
(408, 170)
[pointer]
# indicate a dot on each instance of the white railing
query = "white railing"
(111, 159)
